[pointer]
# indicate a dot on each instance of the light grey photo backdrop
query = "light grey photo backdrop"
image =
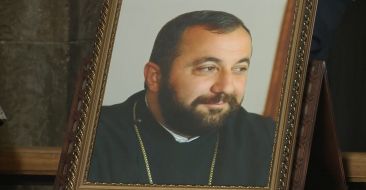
(140, 21)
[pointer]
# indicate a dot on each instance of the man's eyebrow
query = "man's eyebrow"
(244, 60)
(218, 61)
(206, 59)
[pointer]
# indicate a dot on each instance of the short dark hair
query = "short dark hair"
(166, 45)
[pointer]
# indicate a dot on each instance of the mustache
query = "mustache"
(222, 97)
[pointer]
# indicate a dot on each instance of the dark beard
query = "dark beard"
(188, 121)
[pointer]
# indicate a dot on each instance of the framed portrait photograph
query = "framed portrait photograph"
(187, 94)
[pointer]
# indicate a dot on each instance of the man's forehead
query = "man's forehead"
(214, 30)
(199, 32)
(200, 35)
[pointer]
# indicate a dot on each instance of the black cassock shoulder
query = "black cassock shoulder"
(246, 150)
(115, 156)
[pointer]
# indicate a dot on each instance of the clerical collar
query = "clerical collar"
(179, 138)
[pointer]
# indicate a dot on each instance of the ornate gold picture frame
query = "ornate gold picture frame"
(283, 100)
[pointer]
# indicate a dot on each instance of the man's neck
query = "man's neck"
(179, 138)
(154, 108)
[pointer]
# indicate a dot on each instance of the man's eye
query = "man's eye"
(240, 69)
(207, 69)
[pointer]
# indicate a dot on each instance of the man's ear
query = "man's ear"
(152, 76)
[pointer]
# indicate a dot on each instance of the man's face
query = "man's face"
(207, 80)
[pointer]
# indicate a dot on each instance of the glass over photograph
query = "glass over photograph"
(188, 126)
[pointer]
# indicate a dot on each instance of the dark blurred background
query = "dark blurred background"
(43, 43)
(339, 39)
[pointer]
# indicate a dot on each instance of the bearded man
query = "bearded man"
(188, 125)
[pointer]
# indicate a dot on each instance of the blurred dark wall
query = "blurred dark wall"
(34, 54)
(339, 39)
(42, 45)
(347, 77)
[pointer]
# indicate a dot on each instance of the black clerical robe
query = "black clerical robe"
(243, 157)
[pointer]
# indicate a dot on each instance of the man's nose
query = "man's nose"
(224, 83)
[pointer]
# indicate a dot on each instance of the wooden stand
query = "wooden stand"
(317, 160)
